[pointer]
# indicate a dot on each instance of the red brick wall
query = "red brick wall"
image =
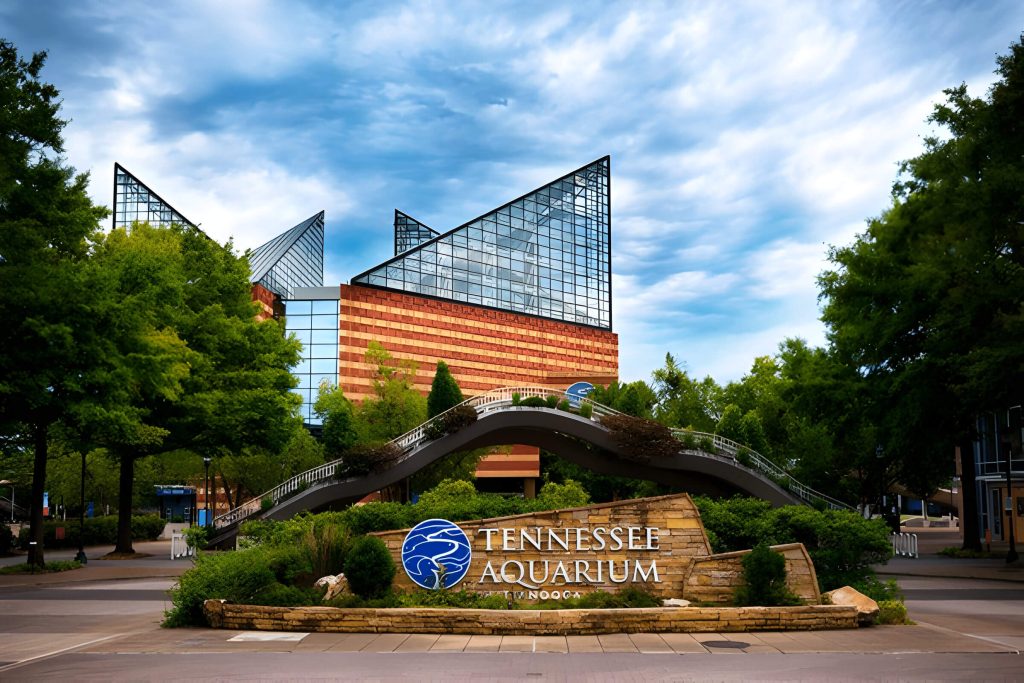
(484, 349)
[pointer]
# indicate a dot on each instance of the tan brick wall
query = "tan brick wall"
(681, 538)
(530, 622)
(714, 579)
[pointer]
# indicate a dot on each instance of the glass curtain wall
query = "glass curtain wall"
(314, 321)
(547, 254)
(409, 232)
(134, 202)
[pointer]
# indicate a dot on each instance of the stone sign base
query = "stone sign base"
(530, 622)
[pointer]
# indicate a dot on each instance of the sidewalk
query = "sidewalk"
(157, 563)
(930, 563)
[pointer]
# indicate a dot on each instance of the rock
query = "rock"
(675, 602)
(867, 609)
(335, 585)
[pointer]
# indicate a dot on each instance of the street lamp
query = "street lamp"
(206, 490)
(8, 482)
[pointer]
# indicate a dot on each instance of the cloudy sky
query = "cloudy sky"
(745, 137)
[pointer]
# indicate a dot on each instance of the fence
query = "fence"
(904, 545)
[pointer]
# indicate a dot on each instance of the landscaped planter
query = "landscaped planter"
(220, 614)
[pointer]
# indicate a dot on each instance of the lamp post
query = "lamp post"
(8, 482)
(81, 517)
(206, 490)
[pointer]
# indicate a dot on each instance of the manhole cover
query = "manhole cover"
(738, 644)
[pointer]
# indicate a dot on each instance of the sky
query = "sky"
(745, 137)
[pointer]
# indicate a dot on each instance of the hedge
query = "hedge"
(98, 531)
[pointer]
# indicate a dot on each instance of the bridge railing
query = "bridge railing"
(500, 399)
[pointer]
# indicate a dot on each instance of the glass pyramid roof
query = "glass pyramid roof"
(546, 254)
(134, 202)
(295, 258)
(409, 232)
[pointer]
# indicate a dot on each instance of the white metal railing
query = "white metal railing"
(904, 544)
(712, 445)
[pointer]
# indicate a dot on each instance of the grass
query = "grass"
(48, 568)
(961, 554)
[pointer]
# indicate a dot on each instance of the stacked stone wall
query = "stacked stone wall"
(530, 622)
(714, 579)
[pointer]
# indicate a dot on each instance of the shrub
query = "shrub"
(554, 496)
(892, 612)
(377, 516)
(764, 576)
(266, 503)
(326, 545)
(280, 595)
(551, 401)
(641, 439)
(565, 405)
(534, 402)
(688, 440)
(586, 409)
(516, 398)
(49, 567)
(369, 567)
(236, 576)
(364, 459)
(349, 600)
(744, 458)
(626, 598)
(842, 544)
(706, 444)
(877, 590)
(457, 418)
(196, 536)
(460, 599)
(434, 429)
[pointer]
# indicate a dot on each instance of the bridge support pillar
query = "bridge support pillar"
(529, 487)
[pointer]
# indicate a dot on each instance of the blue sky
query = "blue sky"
(745, 137)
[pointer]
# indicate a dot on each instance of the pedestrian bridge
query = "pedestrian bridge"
(705, 463)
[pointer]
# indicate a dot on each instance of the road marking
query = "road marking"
(54, 653)
(267, 636)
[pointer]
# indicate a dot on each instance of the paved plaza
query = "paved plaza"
(102, 622)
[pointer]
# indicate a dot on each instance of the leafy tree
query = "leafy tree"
(685, 402)
(460, 465)
(635, 398)
(48, 339)
(928, 303)
(396, 406)
(337, 413)
(444, 391)
(191, 366)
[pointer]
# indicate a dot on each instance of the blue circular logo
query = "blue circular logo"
(433, 549)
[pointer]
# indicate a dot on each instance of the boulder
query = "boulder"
(867, 609)
(675, 602)
(334, 585)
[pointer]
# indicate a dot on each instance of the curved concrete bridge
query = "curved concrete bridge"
(712, 467)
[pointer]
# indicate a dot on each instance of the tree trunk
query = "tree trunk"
(124, 504)
(35, 548)
(233, 502)
(969, 513)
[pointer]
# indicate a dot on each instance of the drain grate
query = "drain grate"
(738, 644)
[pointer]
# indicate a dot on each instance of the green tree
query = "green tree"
(396, 406)
(444, 391)
(685, 402)
(339, 422)
(47, 221)
(460, 465)
(928, 303)
(191, 366)
(633, 398)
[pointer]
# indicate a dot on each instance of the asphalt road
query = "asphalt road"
(109, 630)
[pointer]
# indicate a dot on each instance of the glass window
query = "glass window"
(328, 306)
(297, 308)
(323, 365)
(324, 336)
(324, 322)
